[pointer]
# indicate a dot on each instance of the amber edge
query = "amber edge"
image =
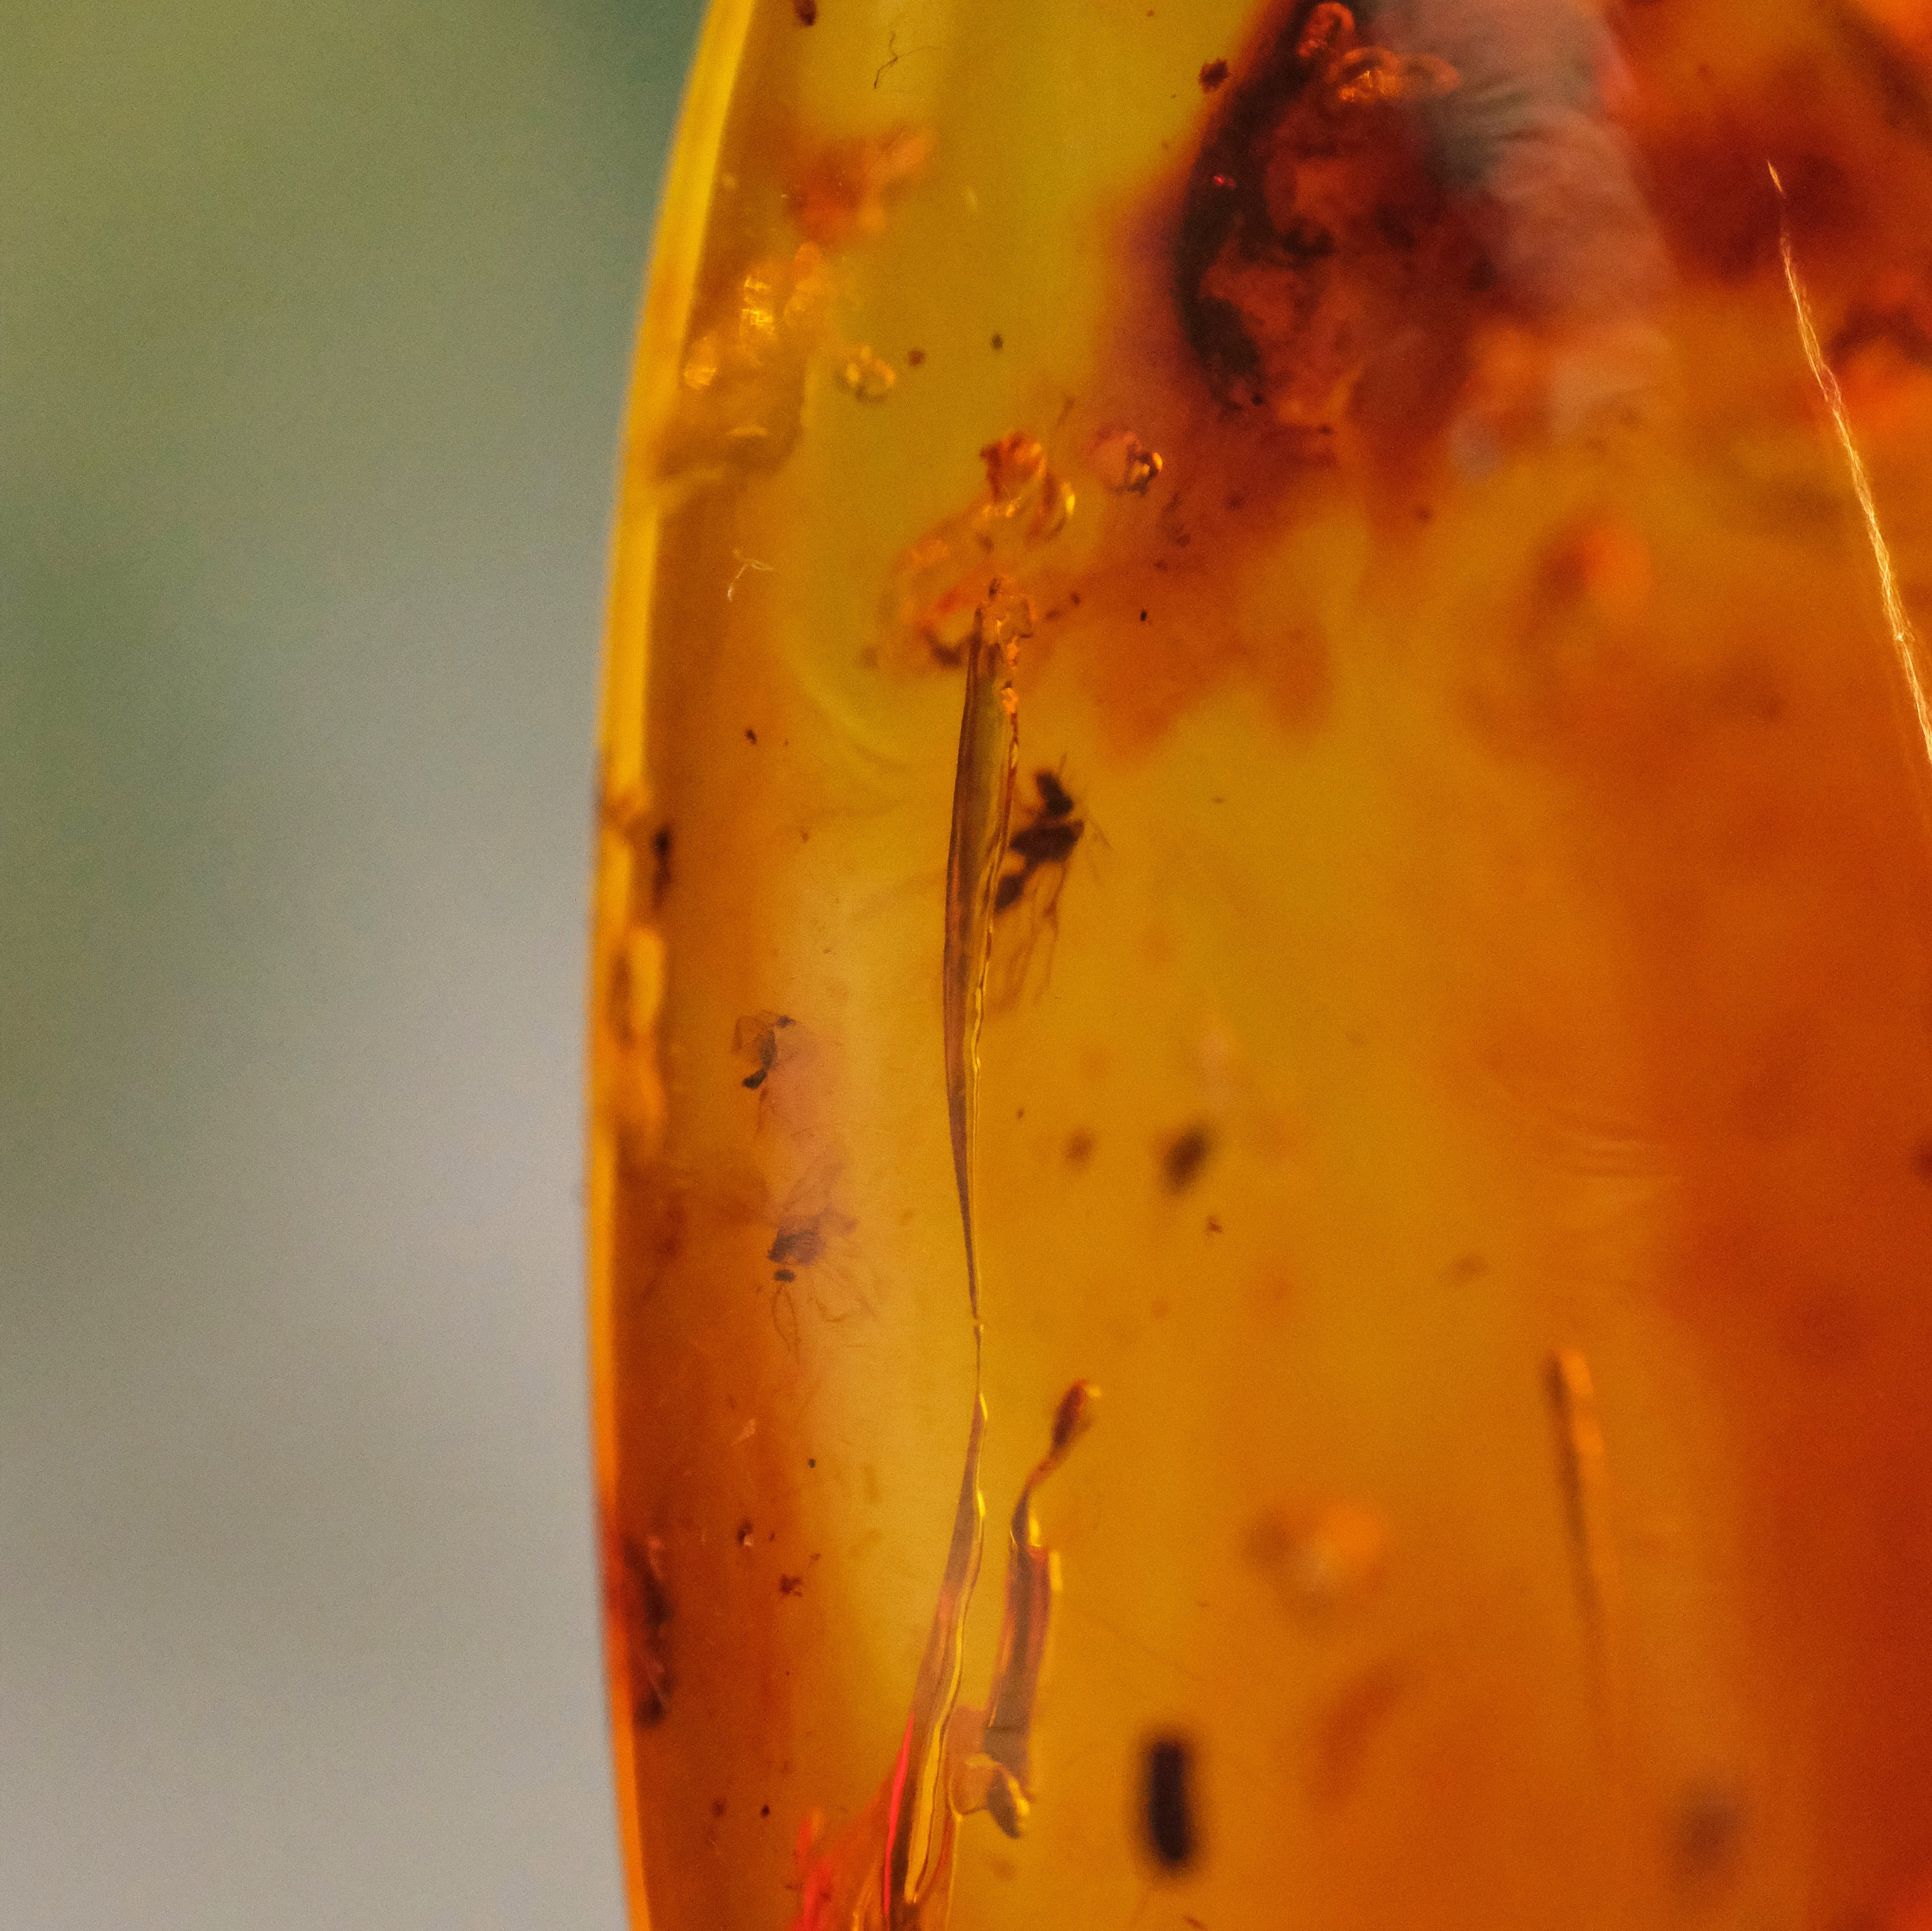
(623, 788)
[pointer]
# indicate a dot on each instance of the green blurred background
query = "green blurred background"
(313, 328)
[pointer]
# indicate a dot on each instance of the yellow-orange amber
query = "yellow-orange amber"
(1261, 1195)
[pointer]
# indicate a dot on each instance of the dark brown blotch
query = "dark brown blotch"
(1167, 1815)
(646, 1606)
(1184, 1156)
(799, 1243)
(1707, 1828)
(661, 867)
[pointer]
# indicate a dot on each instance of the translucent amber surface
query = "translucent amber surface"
(1262, 1193)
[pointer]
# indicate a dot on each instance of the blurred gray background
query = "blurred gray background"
(314, 327)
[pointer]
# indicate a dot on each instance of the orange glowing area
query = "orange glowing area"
(1262, 1118)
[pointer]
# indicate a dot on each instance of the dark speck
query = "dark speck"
(999, 341)
(1186, 1154)
(1213, 73)
(718, 1806)
(661, 844)
(764, 1809)
(1170, 1804)
(783, 1274)
(1079, 1147)
(914, 357)
(812, 1463)
(1143, 616)
(791, 1585)
(744, 1532)
(807, 11)
(750, 736)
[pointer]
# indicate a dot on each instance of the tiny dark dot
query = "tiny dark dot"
(764, 1809)
(1143, 616)
(1169, 1805)
(915, 356)
(999, 341)
(783, 1274)
(661, 866)
(718, 1806)
(750, 736)
(811, 1464)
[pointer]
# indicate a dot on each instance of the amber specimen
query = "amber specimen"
(1266, 749)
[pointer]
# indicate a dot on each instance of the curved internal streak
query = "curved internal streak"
(1904, 639)
(983, 808)
(983, 803)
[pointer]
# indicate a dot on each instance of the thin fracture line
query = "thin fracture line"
(1904, 640)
